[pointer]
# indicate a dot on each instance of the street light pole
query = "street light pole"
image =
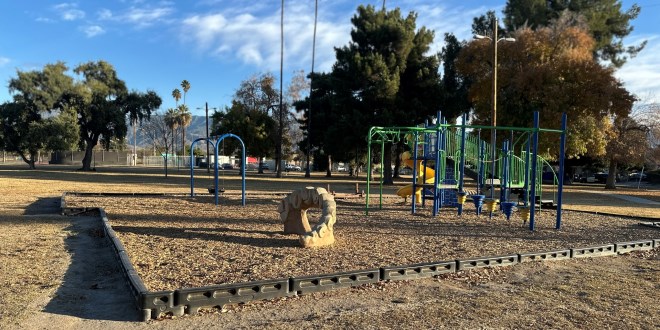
(493, 114)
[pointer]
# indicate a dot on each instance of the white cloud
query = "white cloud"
(4, 61)
(92, 30)
(105, 14)
(138, 16)
(250, 33)
(255, 40)
(204, 29)
(69, 11)
(44, 20)
(146, 16)
(641, 75)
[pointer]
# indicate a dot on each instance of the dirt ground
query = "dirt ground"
(59, 273)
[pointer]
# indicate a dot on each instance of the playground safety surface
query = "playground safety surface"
(177, 242)
(588, 292)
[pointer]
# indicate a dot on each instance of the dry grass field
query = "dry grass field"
(178, 242)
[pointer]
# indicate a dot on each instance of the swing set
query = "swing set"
(215, 145)
(445, 148)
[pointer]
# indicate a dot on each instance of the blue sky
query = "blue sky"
(215, 44)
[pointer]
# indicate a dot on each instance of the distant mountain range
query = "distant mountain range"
(197, 129)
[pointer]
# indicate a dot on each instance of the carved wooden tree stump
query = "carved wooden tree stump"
(293, 212)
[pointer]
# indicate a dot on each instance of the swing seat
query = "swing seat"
(212, 190)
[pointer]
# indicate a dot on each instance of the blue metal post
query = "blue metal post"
(382, 170)
(192, 172)
(462, 163)
(366, 208)
(243, 160)
(439, 144)
(482, 166)
(526, 187)
(560, 189)
(415, 171)
(215, 170)
(505, 172)
(535, 147)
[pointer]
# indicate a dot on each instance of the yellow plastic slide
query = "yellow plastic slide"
(422, 171)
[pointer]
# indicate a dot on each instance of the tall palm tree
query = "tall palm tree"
(171, 122)
(176, 94)
(186, 87)
(184, 118)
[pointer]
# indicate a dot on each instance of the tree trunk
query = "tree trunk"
(610, 183)
(90, 143)
(176, 151)
(29, 161)
(278, 160)
(386, 166)
(183, 141)
(397, 160)
(328, 172)
(166, 164)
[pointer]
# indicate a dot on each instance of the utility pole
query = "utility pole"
(311, 78)
(208, 158)
(280, 134)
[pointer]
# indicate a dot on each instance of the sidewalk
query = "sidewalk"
(622, 201)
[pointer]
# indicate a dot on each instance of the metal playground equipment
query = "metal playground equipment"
(215, 148)
(439, 153)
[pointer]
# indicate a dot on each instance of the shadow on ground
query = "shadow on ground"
(93, 287)
(44, 205)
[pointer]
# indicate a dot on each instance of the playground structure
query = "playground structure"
(293, 213)
(446, 148)
(215, 170)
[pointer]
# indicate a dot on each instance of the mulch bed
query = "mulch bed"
(181, 242)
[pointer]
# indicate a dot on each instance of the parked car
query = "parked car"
(227, 166)
(265, 167)
(601, 177)
(635, 176)
(548, 177)
(252, 166)
(292, 167)
(587, 178)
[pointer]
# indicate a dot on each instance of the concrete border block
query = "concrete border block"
(319, 283)
(593, 251)
(417, 270)
(545, 256)
(625, 247)
(507, 260)
(216, 296)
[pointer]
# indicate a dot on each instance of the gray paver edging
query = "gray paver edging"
(190, 300)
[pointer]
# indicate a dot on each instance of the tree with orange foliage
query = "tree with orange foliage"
(550, 70)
